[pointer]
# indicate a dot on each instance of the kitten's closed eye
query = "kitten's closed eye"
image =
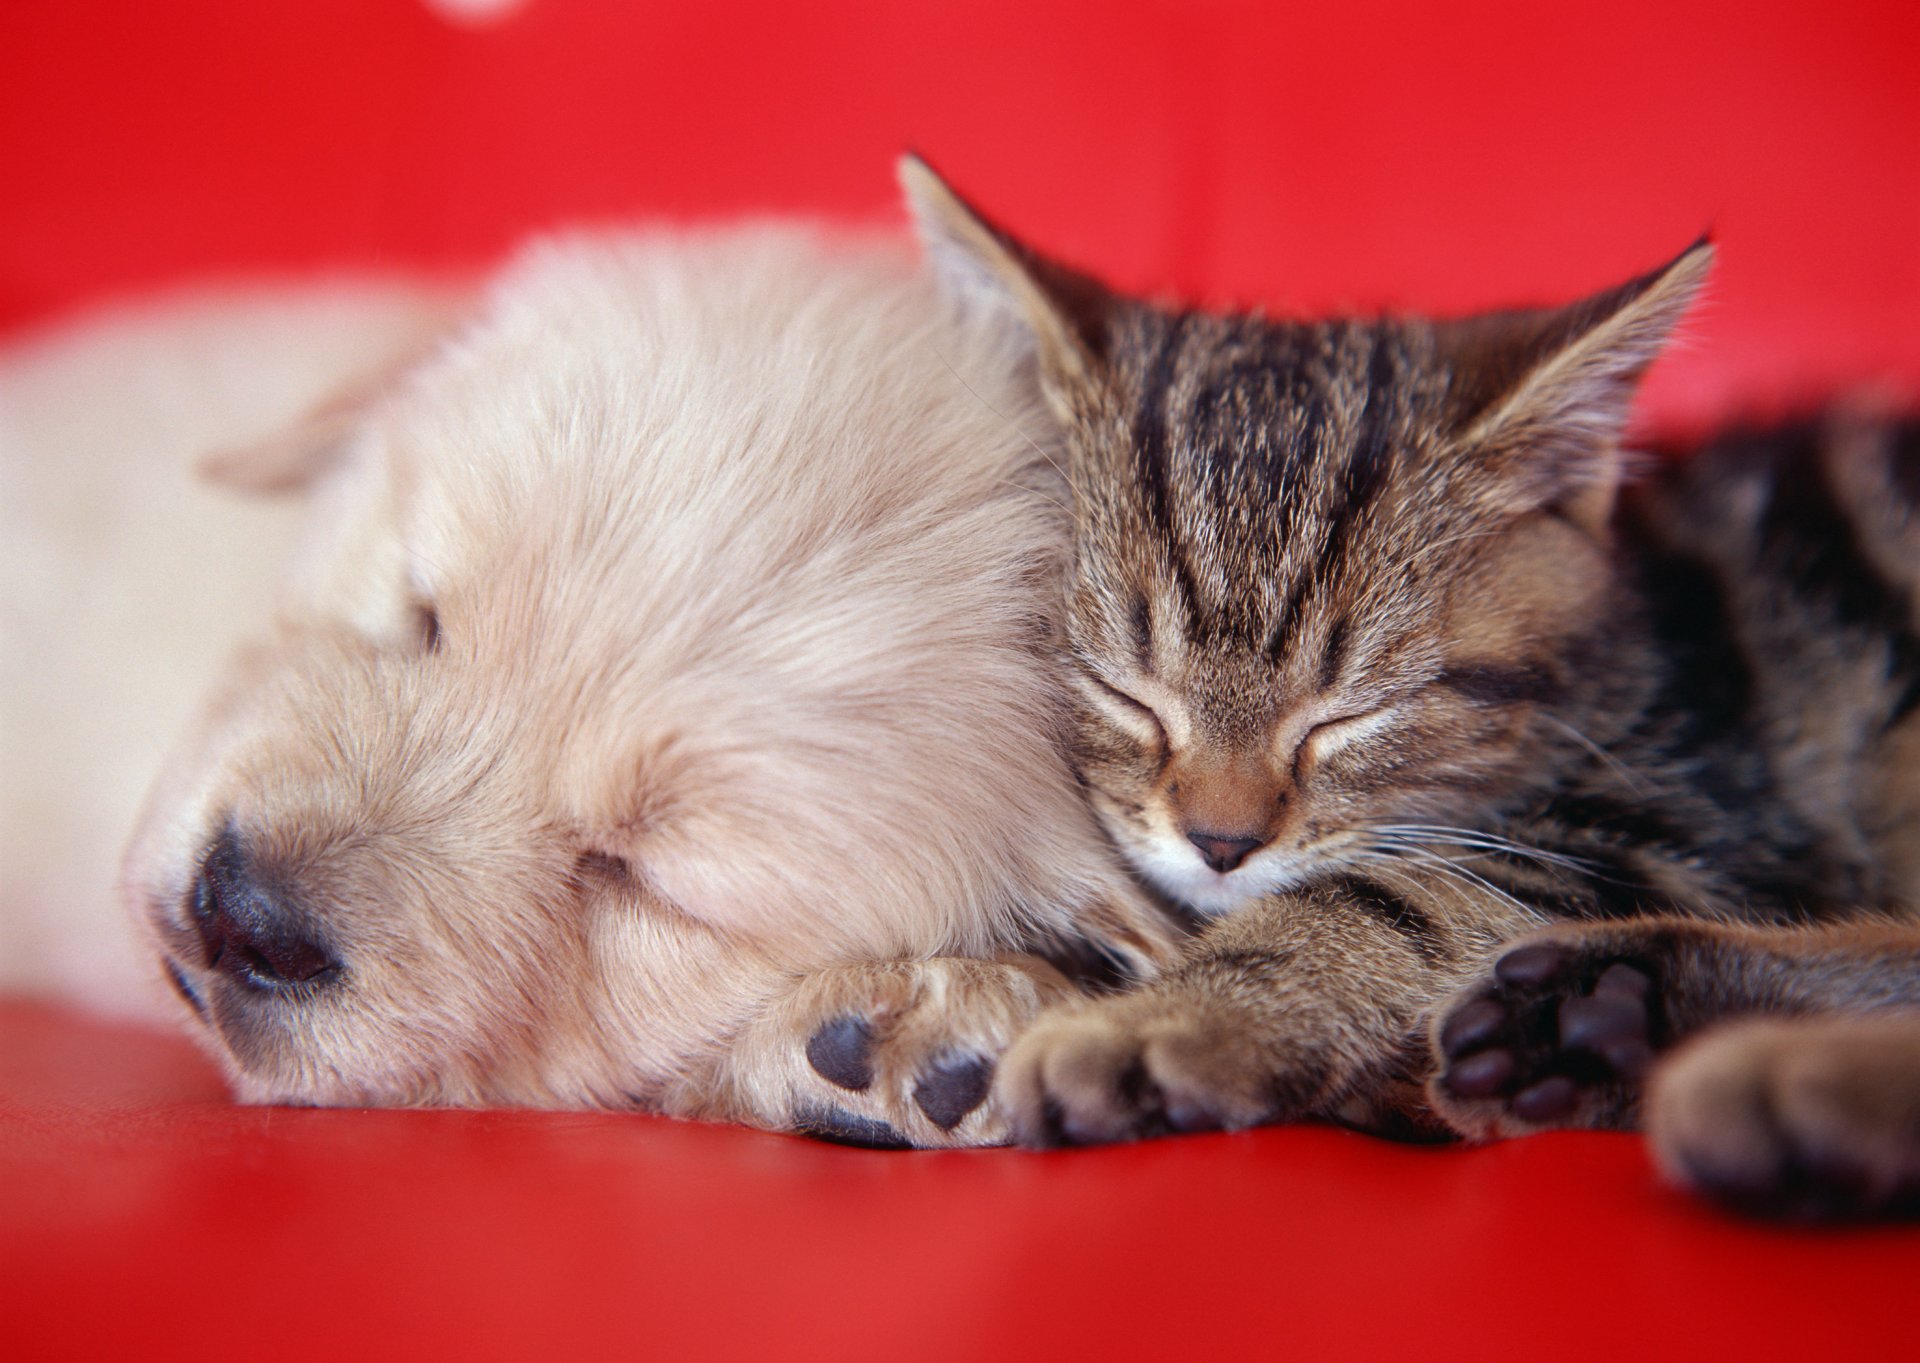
(1128, 712)
(1334, 735)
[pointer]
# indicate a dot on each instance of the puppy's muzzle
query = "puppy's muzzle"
(251, 928)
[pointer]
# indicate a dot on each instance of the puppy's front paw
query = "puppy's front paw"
(1560, 1036)
(896, 1054)
(949, 1079)
(1804, 1119)
(1140, 1065)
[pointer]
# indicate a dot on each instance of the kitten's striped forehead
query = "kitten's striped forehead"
(1259, 450)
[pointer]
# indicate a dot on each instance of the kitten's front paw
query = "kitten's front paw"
(1136, 1066)
(898, 1054)
(1561, 1036)
(1804, 1119)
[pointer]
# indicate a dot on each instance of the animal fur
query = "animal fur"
(126, 581)
(667, 684)
(1375, 663)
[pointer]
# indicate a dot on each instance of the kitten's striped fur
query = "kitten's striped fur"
(1377, 663)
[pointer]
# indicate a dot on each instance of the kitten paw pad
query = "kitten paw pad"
(1559, 1037)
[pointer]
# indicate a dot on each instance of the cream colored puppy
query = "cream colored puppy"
(661, 715)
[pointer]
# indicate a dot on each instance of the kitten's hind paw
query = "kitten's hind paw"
(1561, 1036)
(1807, 1119)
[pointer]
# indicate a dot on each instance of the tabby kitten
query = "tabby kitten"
(1497, 785)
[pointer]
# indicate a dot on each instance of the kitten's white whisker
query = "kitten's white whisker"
(1012, 425)
(1448, 866)
(1395, 867)
(1470, 837)
(1417, 836)
(1410, 835)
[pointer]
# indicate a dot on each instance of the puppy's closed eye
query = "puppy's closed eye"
(595, 868)
(426, 626)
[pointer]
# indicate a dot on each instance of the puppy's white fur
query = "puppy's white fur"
(744, 551)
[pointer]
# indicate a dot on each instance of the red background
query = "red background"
(1306, 156)
(1363, 153)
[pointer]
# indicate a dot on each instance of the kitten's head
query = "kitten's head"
(1333, 581)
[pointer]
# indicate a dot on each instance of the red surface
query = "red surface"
(141, 1216)
(1303, 155)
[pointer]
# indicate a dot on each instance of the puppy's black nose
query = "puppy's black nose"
(1223, 854)
(251, 929)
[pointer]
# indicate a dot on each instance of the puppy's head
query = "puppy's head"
(665, 632)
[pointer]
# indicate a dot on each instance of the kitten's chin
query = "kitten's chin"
(1183, 877)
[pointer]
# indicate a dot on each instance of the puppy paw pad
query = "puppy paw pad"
(953, 1086)
(841, 1052)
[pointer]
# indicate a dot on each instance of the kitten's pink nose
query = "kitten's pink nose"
(1222, 853)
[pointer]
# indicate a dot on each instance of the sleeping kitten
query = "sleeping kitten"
(1376, 665)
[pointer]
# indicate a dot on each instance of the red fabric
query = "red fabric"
(1303, 155)
(142, 1216)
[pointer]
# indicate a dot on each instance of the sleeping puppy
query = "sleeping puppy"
(660, 716)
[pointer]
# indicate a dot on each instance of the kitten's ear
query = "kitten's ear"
(983, 265)
(1546, 394)
(294, 457)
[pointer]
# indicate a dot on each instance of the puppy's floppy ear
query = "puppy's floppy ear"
(288, 460)
(291, 459)
(980, 263)
(1543, 396)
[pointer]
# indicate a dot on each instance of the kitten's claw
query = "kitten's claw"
(1560, 1036)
